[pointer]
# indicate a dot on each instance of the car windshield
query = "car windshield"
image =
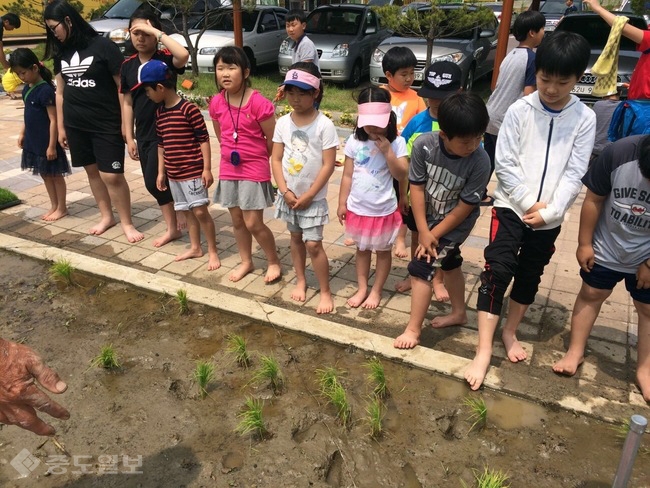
(334, 21)
(553, 8)
(596, 30)
(221, 20)
(123, 9)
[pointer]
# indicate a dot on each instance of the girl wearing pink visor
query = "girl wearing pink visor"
(374, 155)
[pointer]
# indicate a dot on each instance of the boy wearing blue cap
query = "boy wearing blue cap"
(183, 156)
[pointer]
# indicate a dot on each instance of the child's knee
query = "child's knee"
(314, 248)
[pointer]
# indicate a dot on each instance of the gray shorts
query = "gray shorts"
(247, 195)
(309, 234)
(188, 194)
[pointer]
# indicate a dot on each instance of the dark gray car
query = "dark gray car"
(596, 30)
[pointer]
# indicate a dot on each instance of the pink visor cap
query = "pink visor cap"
(374, 113)
(302, 79)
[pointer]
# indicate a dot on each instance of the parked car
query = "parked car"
(554, 10)
(345, 36)
(497, 7)
(263, 28)
(473, 50)
(114, 24)
(596, 30)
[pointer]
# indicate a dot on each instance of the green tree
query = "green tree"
(31, 11)
(640, 7)
(433, 22)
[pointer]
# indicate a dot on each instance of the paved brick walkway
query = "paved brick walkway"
(607, 375)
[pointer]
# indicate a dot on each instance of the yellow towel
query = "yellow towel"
(606, 67)
(10, 81)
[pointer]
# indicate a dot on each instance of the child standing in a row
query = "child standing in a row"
(374, 155)
(304, 152)
(244, 122)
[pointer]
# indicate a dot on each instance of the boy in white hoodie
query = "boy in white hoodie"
(542, 152)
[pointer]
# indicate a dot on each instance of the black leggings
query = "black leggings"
(148, 152)
(515, 250)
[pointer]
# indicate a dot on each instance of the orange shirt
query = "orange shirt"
(405, 104)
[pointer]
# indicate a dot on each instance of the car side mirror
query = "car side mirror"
(371, 29)
(486, 33)
(261, 28)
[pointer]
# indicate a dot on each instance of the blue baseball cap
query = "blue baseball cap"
(154, 71)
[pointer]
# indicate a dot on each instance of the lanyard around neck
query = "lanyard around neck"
(235, 125)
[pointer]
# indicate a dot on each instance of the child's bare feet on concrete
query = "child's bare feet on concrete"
(132, 234)
(514, 350)
(439, 290)
(348, 242)
(372, 301)
(213, 262)
(568, 365)
(56, 215)
(358, 298)
(400, 248)
(273, 273)
(190, 254)
(326, 303)
(476, 371)
(408, 340)
(404, 285)
(643, 379)
(299, 293)
(167, 237)
(102, 227)
(449, 320)
(240, 271)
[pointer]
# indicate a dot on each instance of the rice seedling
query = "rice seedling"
(252, 419)
(237, 346)
(269, 371)
(621, 429)
(339, 398)
(489, 479)
(62, 269)
(181, 298)
(327, 378)
(106, 359)
(375, 411)
(377, 377)
(203, 374)
(478, 412)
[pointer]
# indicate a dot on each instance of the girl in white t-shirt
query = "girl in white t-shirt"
(304, 152)
(374, 155)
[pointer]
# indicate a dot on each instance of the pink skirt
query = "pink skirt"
(373, 233)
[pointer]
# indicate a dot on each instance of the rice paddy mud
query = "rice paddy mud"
(159, 421)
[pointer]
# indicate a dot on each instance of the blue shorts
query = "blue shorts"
(603, 278)
(448, 258)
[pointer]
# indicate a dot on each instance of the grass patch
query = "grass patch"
(7, 196)
(203, 374)
(62, 269)
(478, 412)
(375, 418)
(339, 398)
(327, 379)
(237, 346)
(181, 299)
(269, 371)
(489, 478)
(252, 419)
(106, 359)
(377, 377)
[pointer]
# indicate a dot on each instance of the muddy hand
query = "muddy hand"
(20, 366)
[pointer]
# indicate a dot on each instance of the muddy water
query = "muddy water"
(149, 409)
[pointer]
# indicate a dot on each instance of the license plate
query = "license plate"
(582, 89)
(419, 76)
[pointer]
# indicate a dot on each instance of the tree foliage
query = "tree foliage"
(640, 7)
(31, 11)
(434, 22)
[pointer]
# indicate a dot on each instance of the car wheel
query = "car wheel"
(355, 76)
(469, 81)
(251, 59)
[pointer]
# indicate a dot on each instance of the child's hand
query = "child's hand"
(536, 207)
(643, 277)
(382, 144)
(428, 242)
(303, 202)
(21, 139)
(207, 178)
(132, 147)
(145, 28)
(279, 94)
(342, 210)
(533, 220)
(160, 183)
(585, 255)
(421, 252)
(403, 204)
(63, 139)
(290, 198)
(50, 153)
(181, 221)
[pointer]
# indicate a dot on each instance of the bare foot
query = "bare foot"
(372, 301)
(132, 234)
(102, 227)
(56, 215)
(299, 293)
(475, 372)
(169, 236)
(358, 298)
(326, 303)
(181, 221)
(400, 249)
(408, 340)
(273, 274)
(514, 350)
(48, 213)
(240, 271)
(213, 262)
(403, 286)
(348, 242)
(449, 320)
(568, 365)
(439, 290)
(643, 379)
(191, 254)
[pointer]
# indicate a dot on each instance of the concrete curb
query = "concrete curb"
(420, 357)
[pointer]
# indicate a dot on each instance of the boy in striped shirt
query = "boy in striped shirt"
(183, 156)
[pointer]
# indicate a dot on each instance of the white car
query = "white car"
(263, 32)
